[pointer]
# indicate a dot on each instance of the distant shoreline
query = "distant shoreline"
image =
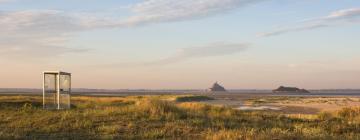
(144, 93)
(86, 90)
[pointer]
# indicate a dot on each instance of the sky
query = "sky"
(182, 44)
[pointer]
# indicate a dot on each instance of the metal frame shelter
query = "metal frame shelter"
(56, 90)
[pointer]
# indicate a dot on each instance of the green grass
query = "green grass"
(152, 117)
(192, 98)
(274, 99)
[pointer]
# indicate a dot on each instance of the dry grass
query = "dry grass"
(154, 117)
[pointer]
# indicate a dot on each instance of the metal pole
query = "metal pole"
(69, 91)
(43, 83)
(58, 90)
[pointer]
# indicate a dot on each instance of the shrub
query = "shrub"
(325, 116)
(193, 98)
(158, 108)
(349, 113)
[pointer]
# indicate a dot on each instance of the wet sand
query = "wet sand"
(288, 104)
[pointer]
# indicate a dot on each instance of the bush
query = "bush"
(158, 108)
(349, 113)
(325, 116)
(193, 98)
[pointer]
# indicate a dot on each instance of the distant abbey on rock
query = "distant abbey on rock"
(217, 88)
(290, 90)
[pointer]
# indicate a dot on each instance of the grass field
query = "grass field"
(165, 117)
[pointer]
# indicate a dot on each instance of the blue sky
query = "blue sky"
(184, 44)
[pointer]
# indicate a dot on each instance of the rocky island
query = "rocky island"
(217, 88)
(290, 90)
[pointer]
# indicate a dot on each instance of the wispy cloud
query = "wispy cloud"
(26, 53)
(346, 16)
(292, 29)
(40, 31)
(210, 50)
(215, 49)
(153, 11)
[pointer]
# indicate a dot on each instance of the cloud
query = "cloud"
(345, 16)
(37, 52)
(37, 32)
(210, 50)
(293, 29)
(153, 11)
(148, 11)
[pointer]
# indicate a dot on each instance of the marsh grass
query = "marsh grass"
(192, 98)
(274, 99)
(153, 117)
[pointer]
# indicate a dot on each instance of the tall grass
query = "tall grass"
(152, 117)
(192, 98)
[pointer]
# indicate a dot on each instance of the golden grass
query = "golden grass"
(155, 117)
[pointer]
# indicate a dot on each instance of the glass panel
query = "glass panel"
(50, 83)
(65, 83)
(65, 91)
(53, 99)
(64, 101)
(50, 98)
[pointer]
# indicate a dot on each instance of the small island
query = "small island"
(283, 89)
(217, 88)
